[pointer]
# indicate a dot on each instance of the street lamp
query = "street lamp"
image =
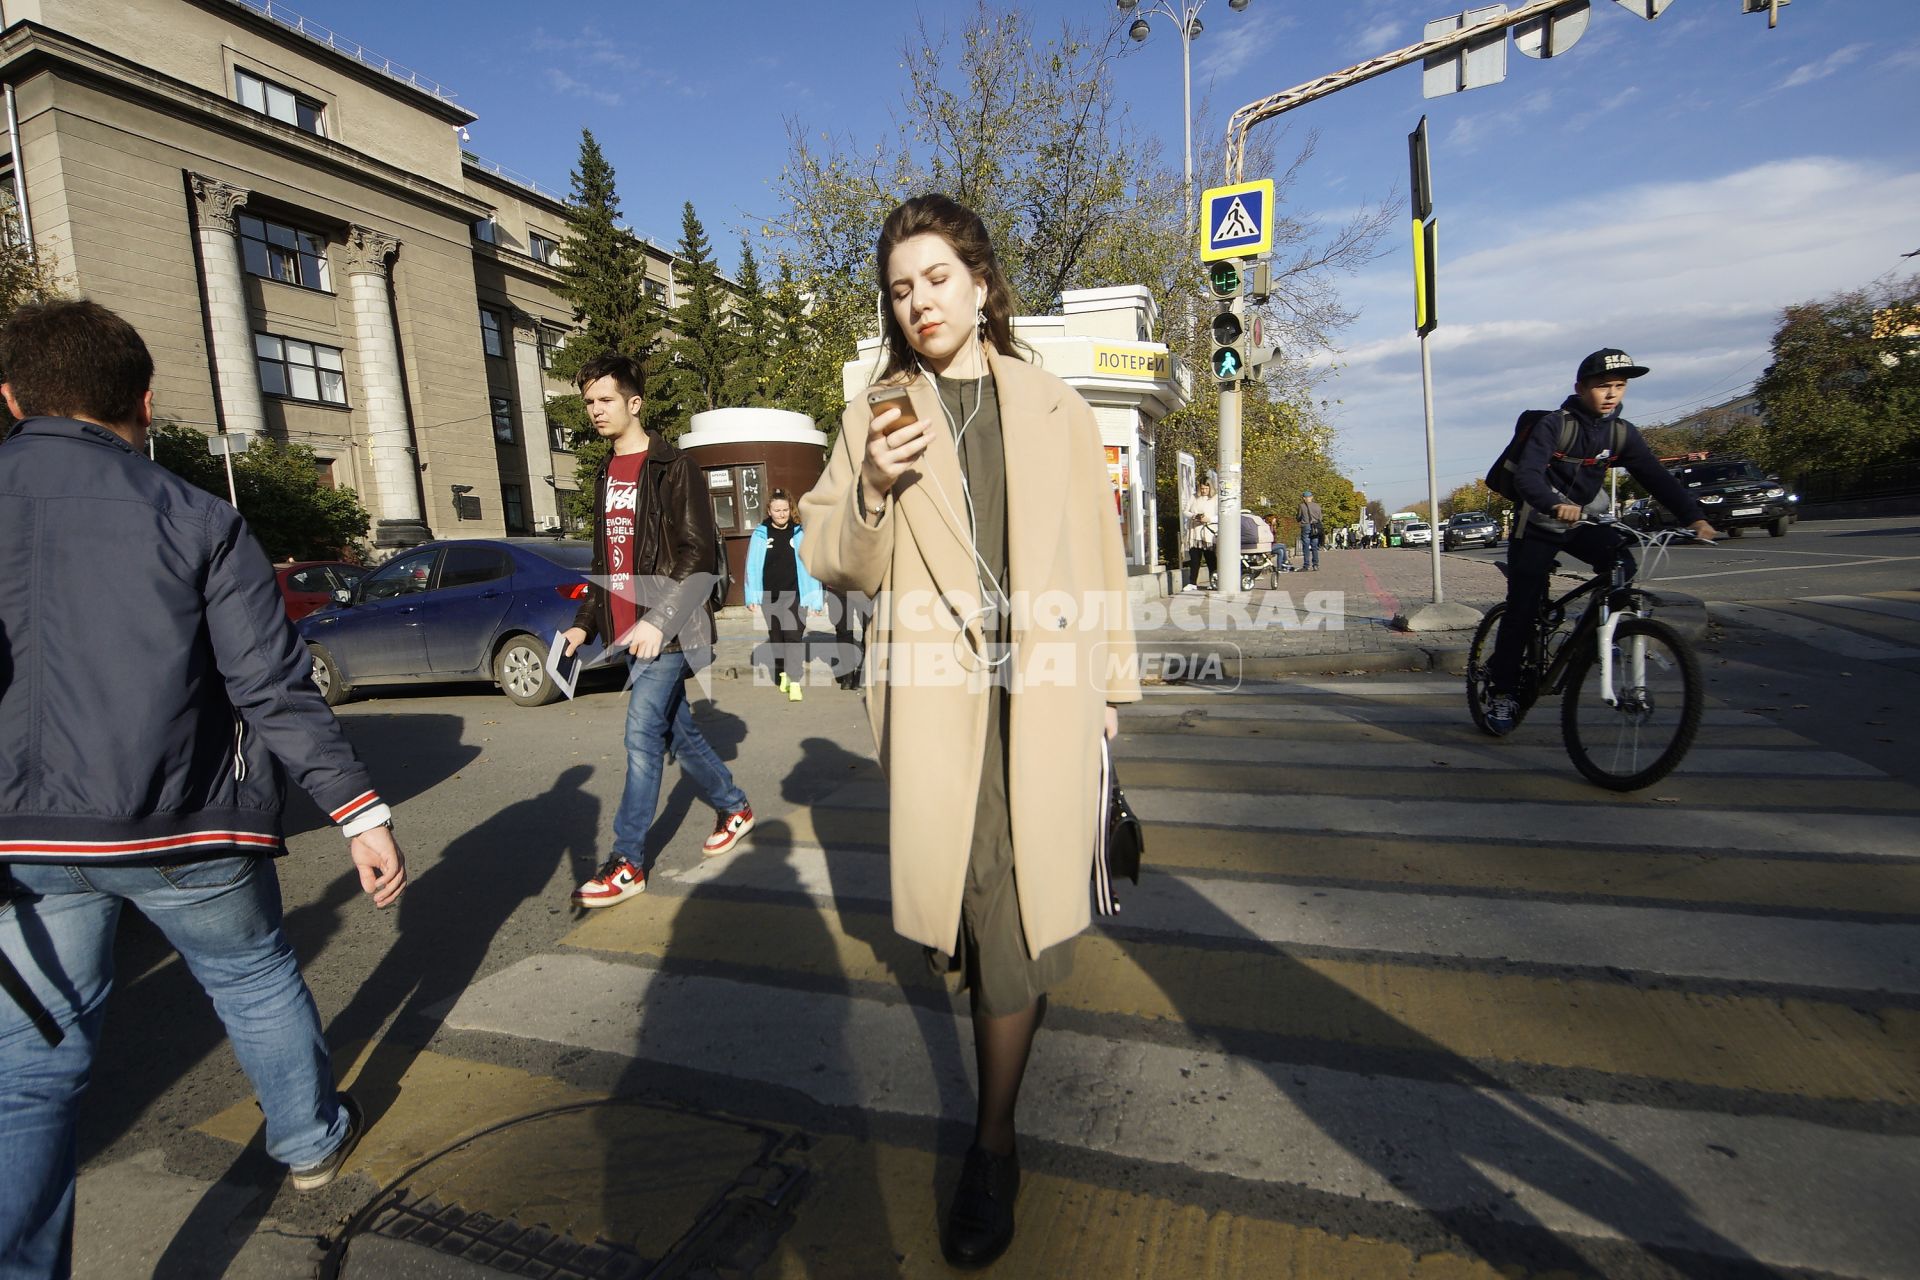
(1185, 15)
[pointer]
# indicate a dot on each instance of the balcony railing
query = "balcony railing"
(366, 57)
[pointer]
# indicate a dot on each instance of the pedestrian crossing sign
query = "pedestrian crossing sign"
(1236, 221)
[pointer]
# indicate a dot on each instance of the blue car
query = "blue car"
(473, 609)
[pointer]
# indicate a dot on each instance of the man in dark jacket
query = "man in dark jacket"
(151, 691)
(654, 549)
(1559, 488)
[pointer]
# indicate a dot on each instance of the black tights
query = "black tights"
(1000, 1049)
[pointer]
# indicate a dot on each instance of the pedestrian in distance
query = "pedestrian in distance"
(1558, 486)
(973, 483)
(1311, 531)
(781, 592)
(1202, 519)
(153, 700)
(654, 550)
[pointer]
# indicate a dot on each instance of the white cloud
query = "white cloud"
(1245, 40)
(1812, 71)
(1381, 37)
(561, 82)
(1469, 132)
(1689, 276)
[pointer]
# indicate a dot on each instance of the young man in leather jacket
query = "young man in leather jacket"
(1557, 489)
(653, 557)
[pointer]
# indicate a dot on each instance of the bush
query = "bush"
(278, 485)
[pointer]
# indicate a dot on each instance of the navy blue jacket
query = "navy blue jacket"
(1544, 480)
(151, 686)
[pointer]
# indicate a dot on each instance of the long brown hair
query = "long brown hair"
(962, 229)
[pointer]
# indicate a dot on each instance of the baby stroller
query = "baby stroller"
(1259, 553)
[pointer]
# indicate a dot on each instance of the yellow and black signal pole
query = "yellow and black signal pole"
(1425, 319)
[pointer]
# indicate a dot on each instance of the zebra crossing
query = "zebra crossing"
(1881, 627)
(1391, 999)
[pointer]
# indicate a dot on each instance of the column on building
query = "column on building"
(223, 282)
(392, 457)
(529, 385)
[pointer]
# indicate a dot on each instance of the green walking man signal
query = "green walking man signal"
(1229, 362)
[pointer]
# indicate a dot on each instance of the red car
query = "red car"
(308, 584)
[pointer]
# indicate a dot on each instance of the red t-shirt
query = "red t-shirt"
(623, 493)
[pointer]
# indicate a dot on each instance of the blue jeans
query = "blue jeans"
(659, 716)
(223, 916)
(1309, 552)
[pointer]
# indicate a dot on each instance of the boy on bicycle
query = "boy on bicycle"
(1558, 488)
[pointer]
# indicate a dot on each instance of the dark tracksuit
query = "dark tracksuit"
(1546, 480)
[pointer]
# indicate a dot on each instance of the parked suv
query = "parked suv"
(1470, 529)
(1734, 495)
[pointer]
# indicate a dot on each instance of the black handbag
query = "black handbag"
(1118, 838)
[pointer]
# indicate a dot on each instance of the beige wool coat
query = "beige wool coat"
(1071, 635)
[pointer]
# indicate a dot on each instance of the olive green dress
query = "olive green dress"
(991, 951)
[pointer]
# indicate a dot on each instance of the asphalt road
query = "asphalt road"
(1392, 997)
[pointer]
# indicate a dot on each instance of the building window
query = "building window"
(300, 370)
(284, 253)
(541, 248)
(502, 412)
(549, 343)
(323, 472)
(738, 500)
(491, 336)
(279, 102)
(655, 290)
(486, 230)
(562, 437)
(513, 507)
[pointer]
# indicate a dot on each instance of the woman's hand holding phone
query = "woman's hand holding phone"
(896, 439)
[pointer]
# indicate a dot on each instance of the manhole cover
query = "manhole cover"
(605, 1190)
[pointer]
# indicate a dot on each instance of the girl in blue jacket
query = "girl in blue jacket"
(779, 588)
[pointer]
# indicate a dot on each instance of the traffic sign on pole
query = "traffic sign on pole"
(1425, 275)
(1648, 9)
(1552, 33)
(1236, 221)
(1479, 62)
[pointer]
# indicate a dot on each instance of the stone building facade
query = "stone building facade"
(294, 227)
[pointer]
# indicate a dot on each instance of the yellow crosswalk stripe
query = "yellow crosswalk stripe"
(1868, 887)
(1794, 1046)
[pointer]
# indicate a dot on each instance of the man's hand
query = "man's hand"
(575, 637)
(383, 870)
(1704, 531)
(645, 641)
(1567, 511)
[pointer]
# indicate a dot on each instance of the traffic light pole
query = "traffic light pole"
(1433, 479)
(1226, 543)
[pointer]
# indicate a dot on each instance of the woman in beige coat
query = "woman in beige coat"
(984, 522)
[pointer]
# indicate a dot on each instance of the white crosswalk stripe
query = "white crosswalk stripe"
(1831, 637)
(1783, 1179)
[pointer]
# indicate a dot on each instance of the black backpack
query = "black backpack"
(1500, 474)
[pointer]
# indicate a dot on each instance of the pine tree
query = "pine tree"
(751, 376)
(787, 362)
(703, 344)
(600, 270)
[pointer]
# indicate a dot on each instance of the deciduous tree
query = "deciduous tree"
(279, 490)
(1844, 386)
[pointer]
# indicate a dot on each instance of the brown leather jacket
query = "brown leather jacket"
(673, 565)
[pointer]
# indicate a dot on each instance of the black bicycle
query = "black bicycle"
(1629, 685)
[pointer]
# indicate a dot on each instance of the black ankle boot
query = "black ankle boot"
(980, 1222)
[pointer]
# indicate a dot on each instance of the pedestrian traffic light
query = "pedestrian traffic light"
(1229, 360)
(1229, 352)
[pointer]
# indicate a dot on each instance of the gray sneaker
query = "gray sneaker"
(1503, 713)
(317, 1176)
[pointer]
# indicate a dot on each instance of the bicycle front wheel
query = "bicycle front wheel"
(1636, 737)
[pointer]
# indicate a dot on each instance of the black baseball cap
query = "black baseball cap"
(1610, 360)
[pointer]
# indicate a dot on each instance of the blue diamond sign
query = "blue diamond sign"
(1236, 221)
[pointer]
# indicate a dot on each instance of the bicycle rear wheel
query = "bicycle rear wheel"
(1479, 687)
(1639, 737)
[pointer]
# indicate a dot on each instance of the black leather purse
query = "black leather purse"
(1118, 838)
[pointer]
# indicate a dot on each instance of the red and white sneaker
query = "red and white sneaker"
(727, 832)
(617, 880)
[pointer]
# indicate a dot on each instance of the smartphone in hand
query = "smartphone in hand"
(881, 399)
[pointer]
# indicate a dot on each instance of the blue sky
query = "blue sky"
(1662, 186)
